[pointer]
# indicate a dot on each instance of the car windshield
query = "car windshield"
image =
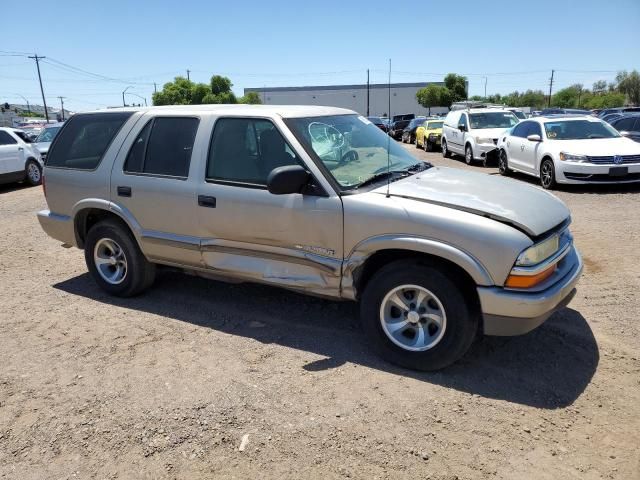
(351, 148)
(434, 125)
(48, 134)
(520, 115)
(493, 120)
(579, 130)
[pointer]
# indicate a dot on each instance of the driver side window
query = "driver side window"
(245, 150)
(463, 120)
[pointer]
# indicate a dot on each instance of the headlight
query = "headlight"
(568, 157)
(484, 140)
(539, 252)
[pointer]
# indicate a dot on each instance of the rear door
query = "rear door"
(10, 154)
(291, 240)
(153, 183)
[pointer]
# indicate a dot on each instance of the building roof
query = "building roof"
(341, 87)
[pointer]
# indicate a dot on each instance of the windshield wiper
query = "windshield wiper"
(380, 175)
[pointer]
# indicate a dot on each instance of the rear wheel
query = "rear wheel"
(445, 149)
(468, 154)
(415, 316)
(547, 174)
(33, 173)
(503, 164)
(115, 261)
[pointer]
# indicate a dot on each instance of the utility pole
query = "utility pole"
(485, 88)
(62, 107)
(550, 86)
(124, 104)
(155, 88)
(188, 72)
(37, 59)
(367, 92)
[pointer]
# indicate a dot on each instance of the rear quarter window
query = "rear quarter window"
(84, 139)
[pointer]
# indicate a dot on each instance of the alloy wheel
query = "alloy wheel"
(110, 261)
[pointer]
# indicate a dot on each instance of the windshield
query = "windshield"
(48, 134)
(579, 130)
(434, 125)
(377, 120)
(520, 115)
(351, 148)
(493, 120)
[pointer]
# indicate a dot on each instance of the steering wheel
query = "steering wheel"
(323, 133)
(350, 156)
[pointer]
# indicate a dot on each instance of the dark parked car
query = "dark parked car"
(564, 111)
(404, 116)
(606, 111)
(409, 132)
(610, 117)
(630, 124)
(397, 127)
(378, 122)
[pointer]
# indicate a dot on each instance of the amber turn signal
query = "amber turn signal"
(528, 281)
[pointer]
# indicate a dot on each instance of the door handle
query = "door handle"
(20, 149)
(124, 191)
(207, 201)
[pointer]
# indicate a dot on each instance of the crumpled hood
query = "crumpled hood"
(523, 206)
(43, 147)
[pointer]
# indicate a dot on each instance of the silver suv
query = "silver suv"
(317, 200)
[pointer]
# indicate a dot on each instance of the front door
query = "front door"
(292, 240)
(515, 145)
(10, 154)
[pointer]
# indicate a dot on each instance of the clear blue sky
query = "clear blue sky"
(514, 44)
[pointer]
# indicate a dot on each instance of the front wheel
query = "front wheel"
(503, 164)
(33, 173)
(468, 155)
(115, 261)
(547, 174)
(416, 142)
(415, 316)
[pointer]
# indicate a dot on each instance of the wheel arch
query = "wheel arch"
(89, 212)
(370, 255)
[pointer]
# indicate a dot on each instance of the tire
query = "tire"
(468, 155)
(449, 341)
(135, 275)
(33, 173)
(428, 146)
(547, 174)
(416, 141)
(503, 164)
(445, 150)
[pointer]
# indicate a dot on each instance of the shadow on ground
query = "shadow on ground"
(547, 368)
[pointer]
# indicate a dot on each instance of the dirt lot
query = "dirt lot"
(167, 385)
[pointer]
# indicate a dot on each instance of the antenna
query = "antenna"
(389, 136)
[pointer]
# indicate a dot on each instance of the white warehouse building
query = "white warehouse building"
(353, 97)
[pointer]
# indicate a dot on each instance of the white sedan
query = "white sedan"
(569, 149)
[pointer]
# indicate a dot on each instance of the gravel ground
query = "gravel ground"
(200, 379)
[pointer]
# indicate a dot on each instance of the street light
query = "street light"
(139, 96)
(28, 107)
(123, 92)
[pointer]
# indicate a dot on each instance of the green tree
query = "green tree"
(629, 84)
(599, 87)
(433, 96)
(457, 86)
(185, 92)
(251, 98)
(567, 97)
(178, 92)
(604, 100)
(220, 85)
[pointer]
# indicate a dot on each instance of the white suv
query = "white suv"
(474, 133)
(19, 158)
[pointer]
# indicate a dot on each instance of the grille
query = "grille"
(609, 159)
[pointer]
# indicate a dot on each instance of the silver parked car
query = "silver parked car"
(317, 200)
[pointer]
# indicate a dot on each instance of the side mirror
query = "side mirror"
(462, 127)
(534, 138)
(289, 179)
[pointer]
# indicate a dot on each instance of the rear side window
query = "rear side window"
(6, 139)
(163, 147)
(84, 140)
(625, 124)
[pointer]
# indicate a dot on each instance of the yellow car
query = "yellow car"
(428, 135)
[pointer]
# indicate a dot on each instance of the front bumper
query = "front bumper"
(59, 227)
(573, 172)
(509, 312)
(485, 151)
